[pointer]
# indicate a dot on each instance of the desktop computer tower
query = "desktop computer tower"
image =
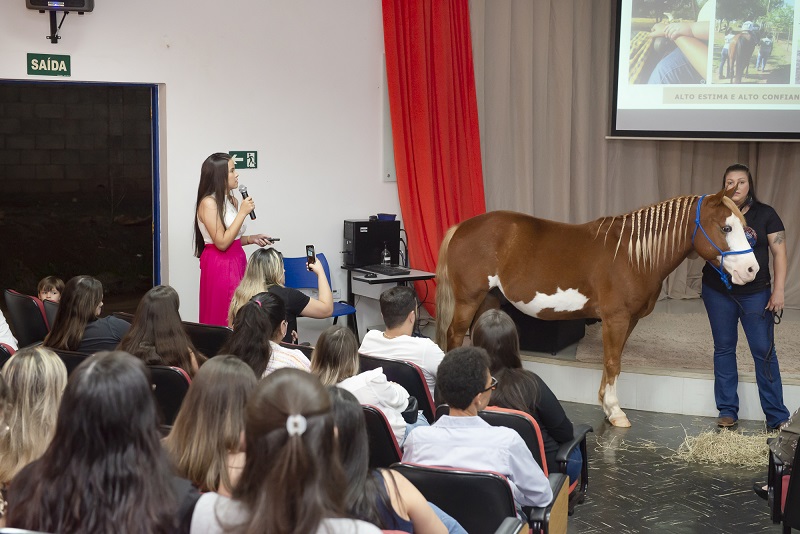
(364, 241)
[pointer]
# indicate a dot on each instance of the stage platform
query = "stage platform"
(678, 391)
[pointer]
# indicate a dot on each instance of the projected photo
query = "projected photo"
(753, 42)
(669, 41)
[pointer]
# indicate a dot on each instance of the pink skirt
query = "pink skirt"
(220, 274)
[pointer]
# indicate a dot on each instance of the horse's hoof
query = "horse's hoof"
(620, 422)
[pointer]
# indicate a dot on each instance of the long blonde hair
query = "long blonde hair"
(264, 269)
(335, 357)
(210, 422)
(36, 379)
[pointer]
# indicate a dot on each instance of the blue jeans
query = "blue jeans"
(761, 62)
(674, 68)
(724, 315)
(574, 464)
(453, 526)
(421, 421)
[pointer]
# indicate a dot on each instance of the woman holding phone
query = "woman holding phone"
(219, 236)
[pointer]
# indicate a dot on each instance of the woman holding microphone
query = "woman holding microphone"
(219, 237)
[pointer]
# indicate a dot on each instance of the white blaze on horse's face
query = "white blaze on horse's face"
(742, 267)
(561, 301)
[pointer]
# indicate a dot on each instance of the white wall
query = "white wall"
(297, 80)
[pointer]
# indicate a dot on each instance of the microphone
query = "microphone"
(243, 191)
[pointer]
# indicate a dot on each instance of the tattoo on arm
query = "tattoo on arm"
(780, 237)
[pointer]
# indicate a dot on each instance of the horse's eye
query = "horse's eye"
(727, 229)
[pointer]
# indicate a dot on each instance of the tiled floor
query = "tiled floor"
(635, 486)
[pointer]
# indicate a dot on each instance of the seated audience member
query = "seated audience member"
(379, 496)
(205, 443)
(784, 447)
(399, 308)
(5, 334)
(157, 336)
(520, 389)
(292, 481)
(105, 469)
(50, 288)
(78, 325)
(462, 439)
(335, 361)
(35, 378)
(265, 272)
(257, 330)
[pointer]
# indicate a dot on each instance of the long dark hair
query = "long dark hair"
(363, 490)
(157, 335)
(105, 469)
(79, 301)
(496, 332)
(289, 483)
(252, 328)
(517, 389)
(213, 183)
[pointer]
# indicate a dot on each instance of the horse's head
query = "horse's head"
(720, 239)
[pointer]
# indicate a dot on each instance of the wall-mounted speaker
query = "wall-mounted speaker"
(81, 6)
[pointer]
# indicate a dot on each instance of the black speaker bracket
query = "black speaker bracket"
(54, 28)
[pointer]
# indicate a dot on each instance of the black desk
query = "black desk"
(356, 274)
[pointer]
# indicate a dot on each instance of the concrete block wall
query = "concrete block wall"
(84, 140)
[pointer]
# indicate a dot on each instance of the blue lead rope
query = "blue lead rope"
(724, 277)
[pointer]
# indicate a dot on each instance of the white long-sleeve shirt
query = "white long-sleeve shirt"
(5, 334)
(420, 351)
(472, 443)
(372, 387)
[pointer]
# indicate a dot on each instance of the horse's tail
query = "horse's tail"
(445, 302)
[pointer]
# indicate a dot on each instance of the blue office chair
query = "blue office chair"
(298, 277)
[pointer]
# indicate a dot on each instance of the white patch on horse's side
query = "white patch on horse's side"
(611, 403)
(561, 301)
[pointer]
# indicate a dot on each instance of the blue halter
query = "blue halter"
(722, 275)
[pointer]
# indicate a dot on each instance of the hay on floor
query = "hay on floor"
(730, 447)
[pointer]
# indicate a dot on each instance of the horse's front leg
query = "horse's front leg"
(615, 333)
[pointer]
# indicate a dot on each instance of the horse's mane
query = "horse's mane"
(653, 230)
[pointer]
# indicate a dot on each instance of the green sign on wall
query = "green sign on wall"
(49, 65)
(244, 159)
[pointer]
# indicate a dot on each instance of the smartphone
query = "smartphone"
(311, 256)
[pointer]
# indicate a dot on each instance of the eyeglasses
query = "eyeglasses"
(492, 387)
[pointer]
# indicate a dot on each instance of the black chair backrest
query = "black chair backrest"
(50, 311)
(170, 385)
(383, 448)
(791, 511)
(479, 500)
(70, 358)
(207, 338)
(5, 354)
(407, 375)
(27, 317)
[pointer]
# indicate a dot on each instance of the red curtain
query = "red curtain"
(434, 114)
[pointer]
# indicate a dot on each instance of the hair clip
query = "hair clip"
(296, 425)
(258, 302)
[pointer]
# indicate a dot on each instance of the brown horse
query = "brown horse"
(740, 51)
(611, 268)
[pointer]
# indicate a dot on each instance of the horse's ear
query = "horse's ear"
(717, 198)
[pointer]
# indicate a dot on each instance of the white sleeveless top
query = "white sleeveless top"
(230, 215)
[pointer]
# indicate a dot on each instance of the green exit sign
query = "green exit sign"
(49, 65)
(244, 159)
